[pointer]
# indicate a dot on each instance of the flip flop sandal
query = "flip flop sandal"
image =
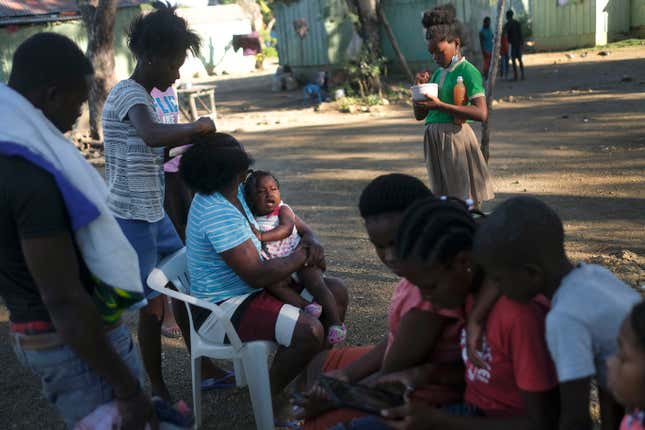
(219, 383)
(171, 332)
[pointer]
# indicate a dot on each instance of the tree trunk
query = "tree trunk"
(492, 75)
(367, 11)
(99, 17)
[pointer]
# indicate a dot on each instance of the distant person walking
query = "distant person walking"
(486, 44)
(513, 31)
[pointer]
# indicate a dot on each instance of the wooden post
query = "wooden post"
(395, 44)
(492, 75)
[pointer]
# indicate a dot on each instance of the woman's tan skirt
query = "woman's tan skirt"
(455, 163)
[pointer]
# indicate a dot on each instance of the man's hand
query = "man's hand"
(137, 412)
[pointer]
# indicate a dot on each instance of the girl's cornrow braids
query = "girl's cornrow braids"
(436, 229)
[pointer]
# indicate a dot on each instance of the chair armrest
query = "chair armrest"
(157, 280)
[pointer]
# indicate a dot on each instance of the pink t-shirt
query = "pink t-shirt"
(514, 347)
(168, 113)
(447, 351)
(634, 421)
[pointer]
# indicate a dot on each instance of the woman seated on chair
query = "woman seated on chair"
(226, 267)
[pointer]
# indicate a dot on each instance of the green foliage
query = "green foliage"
(352, 104)
(270, 52)
(365, 71)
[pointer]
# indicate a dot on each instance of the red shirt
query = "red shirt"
(447, 350)
(516, 352)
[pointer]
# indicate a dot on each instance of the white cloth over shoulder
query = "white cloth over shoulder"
(27, 133)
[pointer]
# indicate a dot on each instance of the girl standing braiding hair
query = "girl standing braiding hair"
(135, 139)
(454, 160)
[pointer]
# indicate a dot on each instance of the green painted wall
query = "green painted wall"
(74, 29)
(405, 19)
(561, 27)
(331, 29)
(582, 23)
(638, 17)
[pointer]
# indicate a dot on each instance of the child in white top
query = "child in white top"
(280, 237)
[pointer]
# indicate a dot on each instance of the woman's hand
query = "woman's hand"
(316, 252)
(256, 232)
(422, 78)
(431, 103)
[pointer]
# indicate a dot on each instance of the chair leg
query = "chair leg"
(240, 376)
(256, 367)
(196, 369)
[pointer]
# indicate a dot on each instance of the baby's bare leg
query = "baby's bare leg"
(312, 278)
(285, 293)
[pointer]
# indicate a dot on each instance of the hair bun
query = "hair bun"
(440, 15)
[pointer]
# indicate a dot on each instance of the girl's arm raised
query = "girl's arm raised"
(287, 220)
(156, 134)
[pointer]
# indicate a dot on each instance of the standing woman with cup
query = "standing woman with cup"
(455, 163)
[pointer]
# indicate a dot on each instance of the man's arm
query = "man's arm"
(53, 264)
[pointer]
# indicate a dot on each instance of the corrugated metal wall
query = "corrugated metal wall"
(405, 18)
(561, 27)
(618, 17)
(638, 17)
(330, 31)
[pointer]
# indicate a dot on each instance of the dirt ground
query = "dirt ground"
(572, 134)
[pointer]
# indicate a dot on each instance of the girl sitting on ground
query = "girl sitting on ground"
(518, 386)
(417, 334)
(626, 370)
(279, 237)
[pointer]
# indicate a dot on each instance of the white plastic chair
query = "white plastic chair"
(250, 359)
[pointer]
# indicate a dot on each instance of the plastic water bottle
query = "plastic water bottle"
(459, 97)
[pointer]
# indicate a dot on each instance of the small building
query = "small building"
(21, 20)
(565, 24)
(216, 25)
